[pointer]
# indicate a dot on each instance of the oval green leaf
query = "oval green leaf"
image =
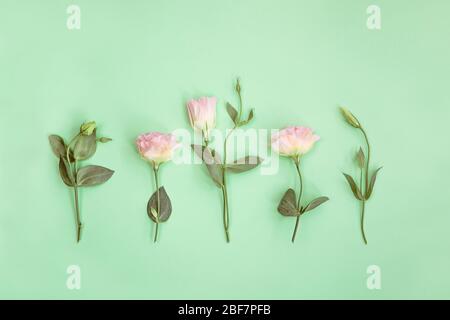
(287, 206)
(84, 146)
(93, 175)
(57, 144)
(212, 163)
(315, 203)
(232, 112)
(165, 208)
(65, 173)
(245, 164)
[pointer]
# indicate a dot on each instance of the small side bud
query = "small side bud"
(104, 139)
(351, 119)
(360, 158)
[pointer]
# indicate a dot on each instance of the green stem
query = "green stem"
(368, 160)
(297, 165)
(362, 207)
(361, 180)
(226, 215)
(155, 172)
(74, 171)
(77, 211)
(366, 184)
(225, 212)
(240, 107)
(362, 222)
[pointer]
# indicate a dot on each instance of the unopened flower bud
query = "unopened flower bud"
(351, 119)
(238, 86)
(88, 128)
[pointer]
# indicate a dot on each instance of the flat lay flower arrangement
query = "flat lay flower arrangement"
(202, 116)
(81, 147)
(157, 148)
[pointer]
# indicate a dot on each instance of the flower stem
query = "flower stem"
(366, 185)
(74, 172)
(362, 221)
(77, 211)
(226, 216)
(368, 160)
(297, 165)
(155, 172)
(225, 212)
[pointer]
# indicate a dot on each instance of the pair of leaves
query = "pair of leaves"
(83, 147)
(288, 206)
(355, 189)
(86, 176)
(214, 163)
(234, 115)
(165, 206)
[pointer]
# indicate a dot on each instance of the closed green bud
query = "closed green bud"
(238, 86)
(88, 128)
(351, 119)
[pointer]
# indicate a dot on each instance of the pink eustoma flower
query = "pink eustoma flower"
(293, 141)
(202, 114)
(157, 147)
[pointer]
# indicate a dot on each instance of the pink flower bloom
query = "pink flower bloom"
(157, 147)
(293, 141)
(202, 114)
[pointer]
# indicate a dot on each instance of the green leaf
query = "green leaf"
(104, 139)
(206, 154)
(57, 144)
(93, 175)
(65, 173)
(372, 183)
(85, 146)
(287, 206)
(212, 162)
(354, 187)
(361, 158)
(232, 112)
(165, 207)
(244, 164)
(315, 203)
(250, 117)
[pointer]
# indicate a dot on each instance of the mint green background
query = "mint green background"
(133, 65)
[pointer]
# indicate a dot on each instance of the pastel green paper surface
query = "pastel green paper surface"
(131, 68)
